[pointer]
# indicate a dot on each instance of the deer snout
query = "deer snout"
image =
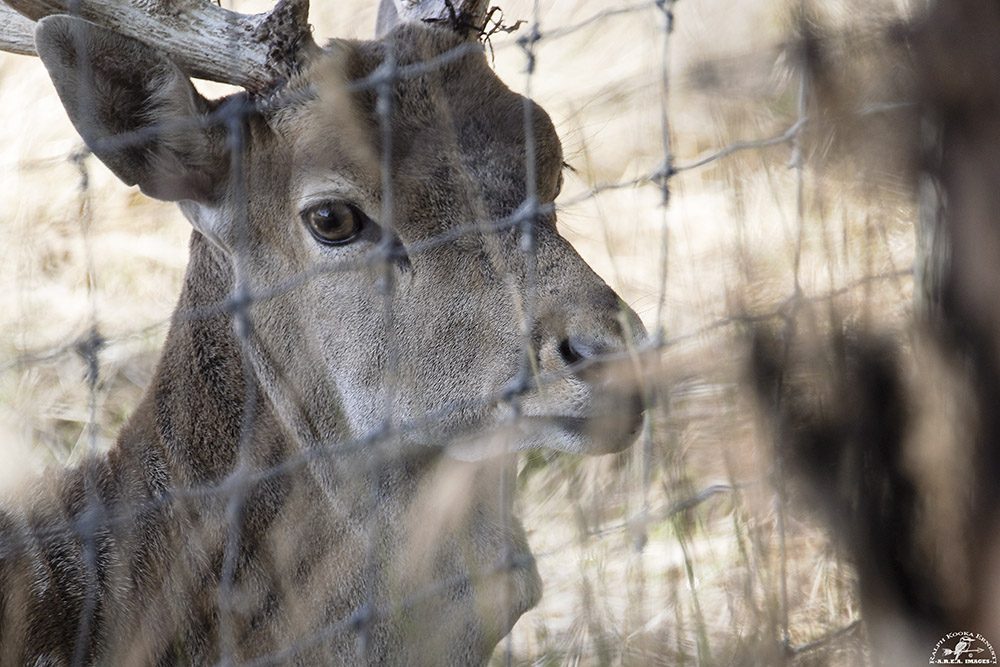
(598, 331)
(594, 354)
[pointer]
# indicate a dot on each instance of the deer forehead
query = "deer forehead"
(458, 150)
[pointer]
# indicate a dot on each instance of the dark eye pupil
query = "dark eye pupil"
(333, 222)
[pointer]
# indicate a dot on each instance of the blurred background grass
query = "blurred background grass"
(674, 552)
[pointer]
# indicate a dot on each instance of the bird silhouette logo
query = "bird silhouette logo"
(963, 648)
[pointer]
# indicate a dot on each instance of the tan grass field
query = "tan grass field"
(698, 586)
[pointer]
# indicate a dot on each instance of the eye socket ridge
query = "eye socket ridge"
(334, 222)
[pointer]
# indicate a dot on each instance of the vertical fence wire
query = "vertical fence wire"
(530, 218)
(797, 163)
(241, 302)
(88, 350)
(384, 109)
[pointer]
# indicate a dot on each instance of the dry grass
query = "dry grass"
(701, 585)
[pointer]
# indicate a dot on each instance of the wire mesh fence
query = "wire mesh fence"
(694, 177)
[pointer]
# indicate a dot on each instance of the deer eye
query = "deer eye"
(334, 222)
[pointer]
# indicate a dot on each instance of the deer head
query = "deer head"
(377, 218)
(340, 191)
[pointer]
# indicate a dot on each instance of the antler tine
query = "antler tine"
(470, 13)
(254, 51)
(17, 33)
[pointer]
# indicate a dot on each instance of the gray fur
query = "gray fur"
(397, 550)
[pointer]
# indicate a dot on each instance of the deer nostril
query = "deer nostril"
(569, 353)
(575, 350)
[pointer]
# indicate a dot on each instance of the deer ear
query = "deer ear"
(134, 108)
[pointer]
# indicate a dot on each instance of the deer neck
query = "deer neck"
(336, 507)
(200, 399)
(217, 400)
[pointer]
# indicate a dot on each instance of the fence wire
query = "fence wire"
(383, 448)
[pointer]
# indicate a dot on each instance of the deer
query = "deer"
(377, 315)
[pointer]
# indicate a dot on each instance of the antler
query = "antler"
(464, 13)
(17, 34)
(253, 51)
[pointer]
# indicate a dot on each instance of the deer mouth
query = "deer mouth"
(607, 431)
(600, 413)
(610, 423)
(599, 410)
